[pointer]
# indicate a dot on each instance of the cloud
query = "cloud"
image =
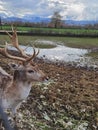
(69, 9)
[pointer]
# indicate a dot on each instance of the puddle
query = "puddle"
(59, 53)
(64, 54)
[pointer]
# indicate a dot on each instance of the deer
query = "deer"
(15, 88)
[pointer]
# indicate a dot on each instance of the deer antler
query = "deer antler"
(33, 56)
(4, 52)
(14, 42)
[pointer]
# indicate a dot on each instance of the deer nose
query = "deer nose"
(47, 78)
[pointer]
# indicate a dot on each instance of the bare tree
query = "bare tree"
(56, 19)
(0, 23)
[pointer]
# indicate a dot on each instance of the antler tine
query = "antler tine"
(9, 34)
(32, 57)
(12, 31)
(12, 28)
(37, 52)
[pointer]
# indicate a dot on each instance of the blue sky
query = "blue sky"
(69, 9)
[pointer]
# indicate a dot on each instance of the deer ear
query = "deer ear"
(13, 66)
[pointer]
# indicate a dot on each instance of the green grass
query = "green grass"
(86, 43)
(26, 40)
(18, 28)
(44, 46)
(67, 41)
(94, 55)
(68, 31)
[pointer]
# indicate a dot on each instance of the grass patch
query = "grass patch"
(93, 54)
(25, 40)
(87, 43)
(68, 31)
(67, 41)
(45, 46)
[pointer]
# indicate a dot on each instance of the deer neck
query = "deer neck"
(15, 94)
(23, 88)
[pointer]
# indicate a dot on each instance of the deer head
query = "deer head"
(27, 72)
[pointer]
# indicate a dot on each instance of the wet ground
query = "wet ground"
(69, 101)
(61, 53)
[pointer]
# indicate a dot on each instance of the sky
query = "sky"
(68, 9)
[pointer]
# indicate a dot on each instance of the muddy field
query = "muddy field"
(68, 102)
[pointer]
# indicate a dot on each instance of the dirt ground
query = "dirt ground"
(68, 102)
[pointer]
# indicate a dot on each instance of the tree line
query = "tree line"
(55, 22)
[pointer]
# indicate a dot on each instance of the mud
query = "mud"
(71, 96)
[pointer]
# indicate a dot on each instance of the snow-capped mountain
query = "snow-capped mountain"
(36, 19)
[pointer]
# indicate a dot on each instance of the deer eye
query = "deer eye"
(30, 71)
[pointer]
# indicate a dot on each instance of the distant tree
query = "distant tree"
(0, 23)
(56, 19)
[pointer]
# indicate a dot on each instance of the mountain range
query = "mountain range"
(36, 19)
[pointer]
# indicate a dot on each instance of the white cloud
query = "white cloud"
(69, 9)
